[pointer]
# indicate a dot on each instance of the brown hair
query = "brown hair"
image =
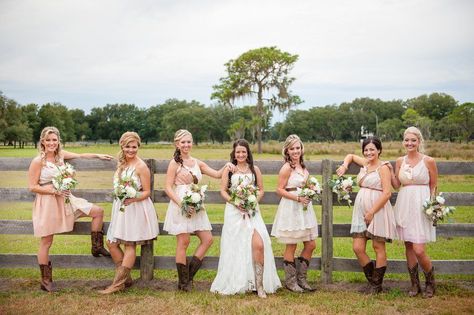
(289, 142)
(178, 135)
(125, 139)
(42, 149)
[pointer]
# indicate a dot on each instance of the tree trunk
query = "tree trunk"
(259, 115)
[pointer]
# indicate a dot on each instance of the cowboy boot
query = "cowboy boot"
(194, 266)
(290, 276)
(183, 277)
(302, 265)
(377, 279)
(368, 272)
(258, 269)
(415, 281)
(118, 284)
(129, 280)
(97, 240)
(47, 277)
(430, 287)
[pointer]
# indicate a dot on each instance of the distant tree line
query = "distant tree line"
(438, 115)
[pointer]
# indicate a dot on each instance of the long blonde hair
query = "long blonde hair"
(415, 131)
(42, 149)
(125, 139)
(289, 142)
(178, 135)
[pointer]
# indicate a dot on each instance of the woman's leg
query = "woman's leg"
(425, 263)
(359, 247)
(116, 252)
(182, 245)
(122, 277)
(380, 265)
(43, 251)
(290, 268)
(258, 262)
(206, 241)
(46, 268)
(302, 264)
(97, 236)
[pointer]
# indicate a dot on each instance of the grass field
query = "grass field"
(78, 286)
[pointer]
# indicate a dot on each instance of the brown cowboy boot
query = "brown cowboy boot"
(415, 281)
(258, 269)
(194, 266)
(118, 284)
(183, 277)
(302, 265)
(47, 277)
(129, 280)
(430, 287)
(290, 276)
(97, 240)
(369, 273)
(377, 279)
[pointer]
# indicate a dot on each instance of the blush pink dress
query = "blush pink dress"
(412, 224)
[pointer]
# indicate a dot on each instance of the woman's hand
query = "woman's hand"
(231, 167)
(368, 217)
(304, 200)
(64, 193)
(129, 201)
(341, 170)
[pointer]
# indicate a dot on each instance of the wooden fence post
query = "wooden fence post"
(327, 263)
(146, 256)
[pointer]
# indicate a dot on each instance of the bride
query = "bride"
(246, 260)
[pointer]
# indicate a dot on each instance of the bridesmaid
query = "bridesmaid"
(292, 224)
(417, 175)
(137, 224)
(246, 260)
(184, 170)
(51, 215)
(372, 216)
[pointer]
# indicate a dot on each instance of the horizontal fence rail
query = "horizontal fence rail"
(147, 262)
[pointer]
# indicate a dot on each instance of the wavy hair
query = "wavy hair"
(415, 131)
(178, 135)
(125, 139)
(289, 142)
(249, 160)
(42, 149)
(375, 141)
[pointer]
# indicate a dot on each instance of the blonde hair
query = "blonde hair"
(42, 149)
(289, 142)
(415, 131)
(178, 135)
(125, 139)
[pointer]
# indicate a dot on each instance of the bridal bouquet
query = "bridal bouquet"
(244, 196)
(126, 186)
(65, 179)
(435, 209)
(193, 200)
(342, 187)
(311, 190)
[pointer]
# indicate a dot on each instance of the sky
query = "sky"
(90, 53)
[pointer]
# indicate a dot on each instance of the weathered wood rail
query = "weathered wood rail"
(147, 262)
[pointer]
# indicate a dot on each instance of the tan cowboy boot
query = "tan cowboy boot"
(118, 284)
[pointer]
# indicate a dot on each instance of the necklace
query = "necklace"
(243, 171)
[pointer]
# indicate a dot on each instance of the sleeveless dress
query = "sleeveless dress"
(175, 222)
(137, 225)
(292, 224)
(235, 273)
(412, 224)
(51, 215)
(383, 225)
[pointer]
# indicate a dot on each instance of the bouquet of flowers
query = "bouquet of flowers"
(342, 187)
(193, 200)
(435, 209)
(311, 190)
(126, 186)
(244, 196)
(65, 179)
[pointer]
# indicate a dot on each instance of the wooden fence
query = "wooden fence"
(147, 262)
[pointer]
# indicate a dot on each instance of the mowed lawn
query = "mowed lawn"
(19, 292)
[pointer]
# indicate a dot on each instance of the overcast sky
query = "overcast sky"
(89, 53)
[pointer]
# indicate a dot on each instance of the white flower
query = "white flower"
(252, 199)
(313, 181)
(439, 214)
(67, 181)
(131, 192)
(306, 192)
(203, 189)
(195, 197)
(440, 200)
(347, 183)
(429, 211)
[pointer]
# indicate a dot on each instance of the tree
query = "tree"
(412, 118)
(463, 117)
(261, 74)
(435, 106)
(391, 129)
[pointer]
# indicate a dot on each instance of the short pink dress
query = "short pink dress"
(412, 224)
(383, 225)
(292, 224)
(51, 215)
(175, 222)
